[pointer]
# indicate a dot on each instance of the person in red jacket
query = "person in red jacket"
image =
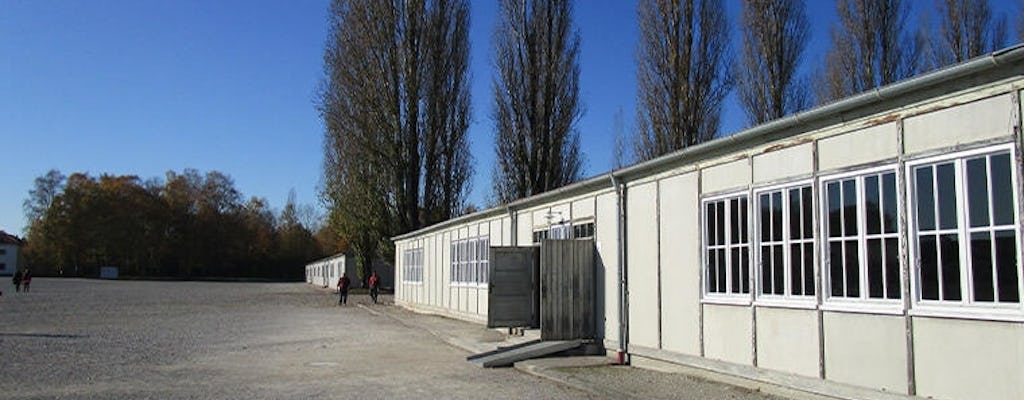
(374, 286)
(343, 284)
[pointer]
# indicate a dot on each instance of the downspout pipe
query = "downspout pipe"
(622, 350)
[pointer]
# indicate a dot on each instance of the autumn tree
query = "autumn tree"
(775, 34)
(536, 98)
(966, 29)
(683, 74)
(871, 47)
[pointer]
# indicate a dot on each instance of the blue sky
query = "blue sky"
(141, 87)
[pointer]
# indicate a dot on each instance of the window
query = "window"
(557, 231)
(726, 246)
(470, 260)
(966, 234)
(786, 242)
(412, 266)
(862, 248)
(583, 230)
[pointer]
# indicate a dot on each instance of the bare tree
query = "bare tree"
(1020, 22)
(871, 47)
(775, 34)
(967, 29)
(682, 74)
(395, 105)
(536, 98)
(620, 152)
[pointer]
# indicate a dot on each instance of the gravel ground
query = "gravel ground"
(73, 338)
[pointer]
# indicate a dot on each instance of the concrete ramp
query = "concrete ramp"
(506, 356)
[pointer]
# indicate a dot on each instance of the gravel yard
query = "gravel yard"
(75, 338)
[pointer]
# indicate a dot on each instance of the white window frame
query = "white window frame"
(729, 296)
(863, 302)
(469, 260)
(412, 266)
(966, 306)
(787, 298)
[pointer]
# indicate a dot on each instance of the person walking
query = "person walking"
(16, 280)
(343, 284)
(374, 286)
(26, 279)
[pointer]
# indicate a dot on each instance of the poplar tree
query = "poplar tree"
(536, 98)
(683, 74)
(775, 34)
(967, 29)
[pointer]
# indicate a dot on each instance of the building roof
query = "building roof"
(7, 238)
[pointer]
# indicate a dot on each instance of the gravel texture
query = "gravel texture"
(90, 339)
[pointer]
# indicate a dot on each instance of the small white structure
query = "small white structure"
(870, 245)
(10, 253)
(326, 272)
(108, 272)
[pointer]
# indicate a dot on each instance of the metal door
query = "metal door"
(568, 290)
(512, 298)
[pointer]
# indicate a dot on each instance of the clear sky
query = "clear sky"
(141, 87)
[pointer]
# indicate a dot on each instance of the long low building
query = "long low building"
(869, 244)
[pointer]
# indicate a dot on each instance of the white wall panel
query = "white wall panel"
(787, 340)
(606, 241)
(731, 175)
(583, 208)
(524, 226)
(964, 359)
(728, 333)
(866, 350)
(642, 254)
(965, 123)
(862, 146)
(784, 163)
(680, 264)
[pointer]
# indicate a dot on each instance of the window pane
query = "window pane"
(745, 269)
(722, 288)
(709, 223)
(796, 277)
(795, 230)
(977, 191)
(766, 270)
(835, 255)
(735, 266)
(834, 207)
(766, 217)
(925, 199)
(807, 218)
(947, 195)
(1002, 196)
(872, 205)
(777, 216)
(981, 266)
(809, 288)
(889, 211)
(720, 222)
(949, 247)
(712, 271)
(929, 267)
(1006, 266)
(778, 275)
(734, 221)
(744, 236)
(892, 268)
(852, 269)
(875, 268)
(850, 207)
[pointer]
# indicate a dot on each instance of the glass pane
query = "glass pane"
(1006, 266)
(977, 191)
(925, 199)
(777, 216)
(835, 278)
(874, 256)
(852, 269)
(929, 267)
(720, 222)
(734, 221)
(766, 217)
(722, 283)
(796, 277)
(892, 268)
(745, 269)
(872, 205)
(834, 207)
(945, 174)
(778, 275)
(735, 260)
(1002, 196)
(709, 224)
(766, 270)
(808, 219)
(849, 207)
(949, 247)
(809, 288)
(981, 266)
(744, 237)
(712, 271)
(794, 214)
(889, 211)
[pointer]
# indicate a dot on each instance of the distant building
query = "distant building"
(10, 253)
(325, 272)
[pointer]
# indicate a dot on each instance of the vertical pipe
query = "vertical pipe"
(906, 262)
(623, 300)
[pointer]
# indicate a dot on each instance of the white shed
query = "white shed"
(10, 253)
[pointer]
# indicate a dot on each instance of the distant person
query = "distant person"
(374, 286)
(26, 279)
(343, 284)
(16, 280)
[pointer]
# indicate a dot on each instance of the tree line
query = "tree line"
(187, 225)
(396, 105)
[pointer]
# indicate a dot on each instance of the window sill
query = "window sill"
(743, 300)
(794, 303)
(461, 285)
(967, 312)
(420, 283)
(864, 307)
